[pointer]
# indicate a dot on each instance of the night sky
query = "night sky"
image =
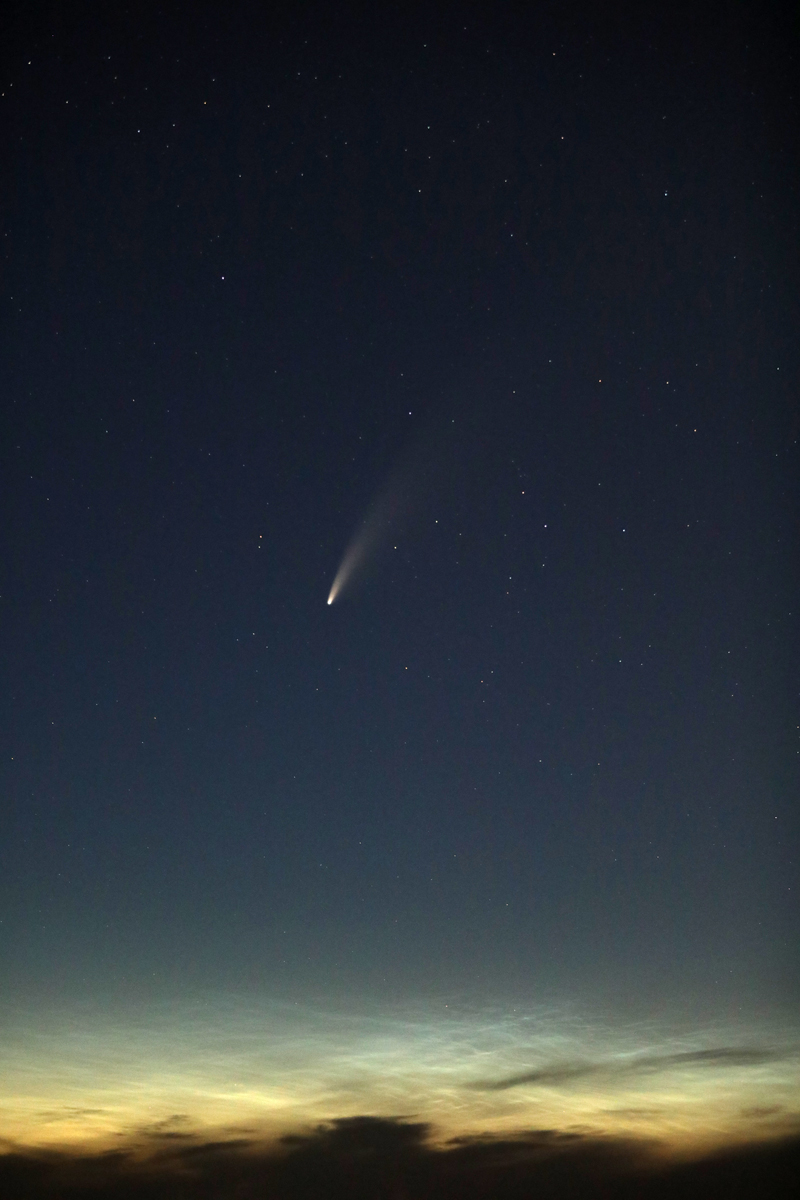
(399, 661)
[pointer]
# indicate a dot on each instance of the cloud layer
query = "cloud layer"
(364, 1158)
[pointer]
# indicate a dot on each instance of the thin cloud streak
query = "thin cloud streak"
(724, 1056)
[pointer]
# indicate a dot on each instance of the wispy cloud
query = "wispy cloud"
(643, 1064)
(69, 1113)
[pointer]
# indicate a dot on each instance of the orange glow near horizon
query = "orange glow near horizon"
(221, 1066)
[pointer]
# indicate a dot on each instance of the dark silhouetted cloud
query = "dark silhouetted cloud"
(367, 1157)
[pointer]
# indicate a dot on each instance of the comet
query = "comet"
(392, 503)
(423, 479)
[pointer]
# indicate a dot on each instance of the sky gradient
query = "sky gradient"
(399, 456)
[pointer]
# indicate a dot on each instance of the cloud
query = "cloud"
(68, 1113)
(374, 1135)
(366, 1157)
(174, 1126)
(643, 1064)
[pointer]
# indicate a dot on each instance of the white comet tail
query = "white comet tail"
(417, 476)
(361, 547)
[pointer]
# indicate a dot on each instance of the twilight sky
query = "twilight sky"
(482, 325)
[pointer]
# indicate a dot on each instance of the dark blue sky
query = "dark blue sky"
(535, 272)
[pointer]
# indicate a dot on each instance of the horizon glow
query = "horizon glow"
(82, 1076)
